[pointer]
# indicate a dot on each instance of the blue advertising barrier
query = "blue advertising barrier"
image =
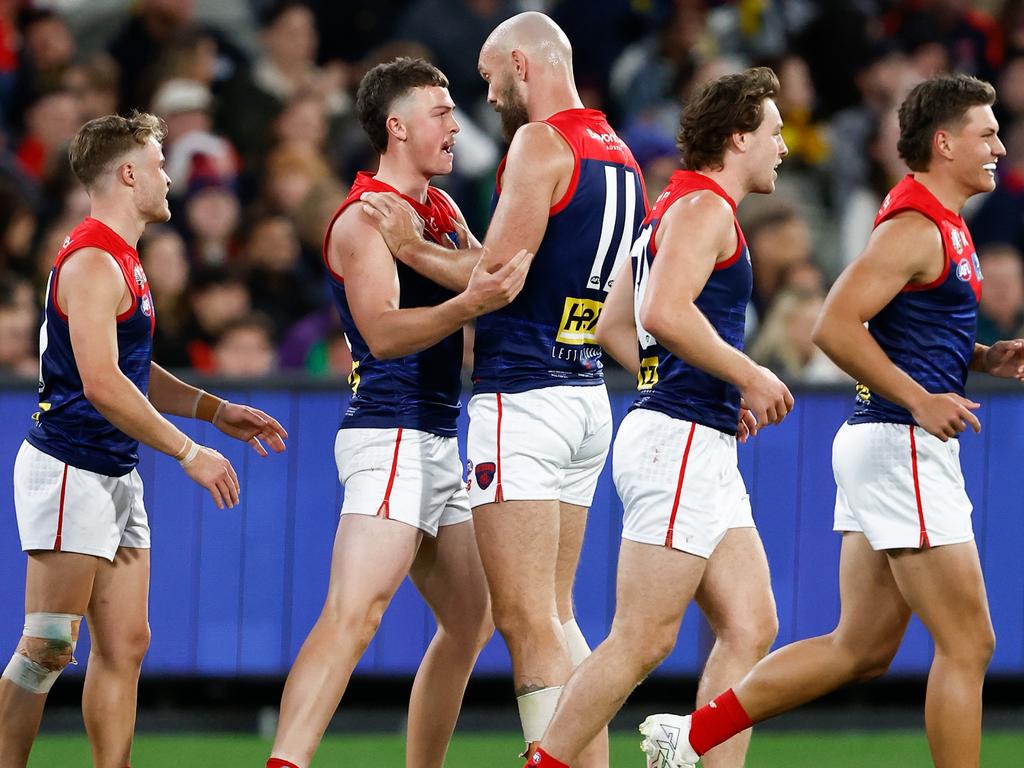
(235, 592)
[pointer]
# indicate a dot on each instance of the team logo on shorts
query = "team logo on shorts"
(963, 270)
(484, 474)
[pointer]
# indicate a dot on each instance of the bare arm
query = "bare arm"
(905, 249)
(358, 252)
(402, 230)
(616, 327)
(169, 394)
(537, 173)
(1004, 359)
(91, 291)
(695, 234)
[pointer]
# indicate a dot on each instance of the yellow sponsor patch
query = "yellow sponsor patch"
(579, 318)
(647, 376)
(353, 377)
(863, 393)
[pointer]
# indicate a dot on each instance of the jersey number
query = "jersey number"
(615, 177)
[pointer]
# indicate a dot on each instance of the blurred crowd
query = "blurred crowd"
(258, 98)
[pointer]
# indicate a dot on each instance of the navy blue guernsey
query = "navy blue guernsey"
(667, 383)
(67, 426)
(417, 391)
(545, 337)
(927, 330)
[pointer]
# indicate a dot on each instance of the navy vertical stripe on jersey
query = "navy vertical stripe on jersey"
(667, 383)
(418, 391)
(545, 337)
(927, 331)
(67, 426)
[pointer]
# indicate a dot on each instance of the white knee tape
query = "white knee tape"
(52, 626)
(29, 674)
(576, 642)
(536, 710)
(25, 673)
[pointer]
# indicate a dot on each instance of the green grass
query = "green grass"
(888, 749)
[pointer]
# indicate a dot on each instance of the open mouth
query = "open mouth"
(447, 146)
(990, 167)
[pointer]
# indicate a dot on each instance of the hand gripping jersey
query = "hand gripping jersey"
(421, 390)
(67, 426)
(546, 336)
(927, 330)
(666, 383)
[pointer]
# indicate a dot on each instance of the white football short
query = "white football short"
(402, 474)
(547, 443)
(900, 486)
(66, 509)
(679, 483)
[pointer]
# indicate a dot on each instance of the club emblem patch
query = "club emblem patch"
(484, 474)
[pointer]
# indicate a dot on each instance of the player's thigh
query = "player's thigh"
(946, 589)
(448, 573)
(654, 585)
(735, 593)
(371, 557)
(873, 613)
(118, 612)
(572, 526)
(59, 582)
(518, 543)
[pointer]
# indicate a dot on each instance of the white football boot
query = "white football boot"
(667, 742)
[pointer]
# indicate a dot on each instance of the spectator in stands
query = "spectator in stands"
(95, 81)
(19, 326)
(1001, 314)
(245, 348)
(47, 51)
(279, 285)
(780, 239)
(217, 297)
(784, 343)
(212, 216)
(252, 100)
(50, 122)
(162, 251)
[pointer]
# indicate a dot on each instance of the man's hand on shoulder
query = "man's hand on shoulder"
(397, 222)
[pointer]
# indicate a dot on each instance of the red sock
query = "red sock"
(542, 759)
(718, 721)
(277, 762)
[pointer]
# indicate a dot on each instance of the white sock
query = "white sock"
(536, 710)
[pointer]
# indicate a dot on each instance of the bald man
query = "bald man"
(570, 191)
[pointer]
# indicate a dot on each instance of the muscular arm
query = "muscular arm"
(91, 289)
(693, 236)
(537, 174)
(169, 394)
(358, 252)
(616, 328)
(905, 249)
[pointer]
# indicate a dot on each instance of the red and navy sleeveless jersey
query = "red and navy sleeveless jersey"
(667, 383)
(545, 337)
(927, 330)
(421, 390)
(67, 426)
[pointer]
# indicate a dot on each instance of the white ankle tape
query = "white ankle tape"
(536, 710)
(576, 642)
(25, 673)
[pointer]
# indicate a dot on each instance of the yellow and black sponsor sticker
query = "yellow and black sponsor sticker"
(353, 377)
(647, 376)
(579, 318)
(863, 393)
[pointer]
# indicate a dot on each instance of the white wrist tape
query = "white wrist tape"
(536, 710)
(195, 405)
(190, 454)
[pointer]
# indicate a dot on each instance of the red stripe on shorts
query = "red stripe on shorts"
(499, 495)
(60, 510)
(923, 542)
(385, 506)
(679, 486)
